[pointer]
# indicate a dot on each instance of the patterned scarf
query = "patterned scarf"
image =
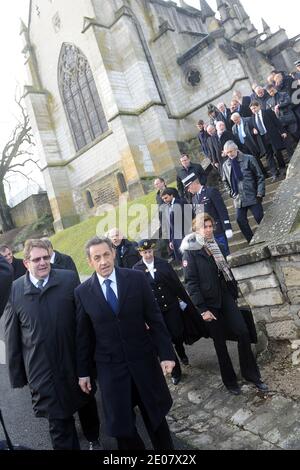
(220, 261)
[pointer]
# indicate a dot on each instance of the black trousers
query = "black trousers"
(160, 437)
(89, 420)
(63, 434)
(242, 219)
(230, 318)
(270, 155)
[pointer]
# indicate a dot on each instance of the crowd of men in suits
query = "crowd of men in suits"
(61, 335)
(235, 139)
(263, 123)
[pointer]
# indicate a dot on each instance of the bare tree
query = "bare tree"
(16, 154)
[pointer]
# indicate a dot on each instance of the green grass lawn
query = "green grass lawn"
(72, 240)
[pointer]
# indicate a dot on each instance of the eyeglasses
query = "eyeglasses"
(40, 258)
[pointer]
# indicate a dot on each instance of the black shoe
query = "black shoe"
(185, 360)
(95, 445)
(176, 380)
(235, 390)
(261, 386)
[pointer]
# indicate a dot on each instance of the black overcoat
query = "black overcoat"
(167, 290)
(63, 261)
(40, 343)
(253, 144)
(18, 267)
(273, 127)
(6, 279)
(126, 254)
(202, 280)
(128, 345)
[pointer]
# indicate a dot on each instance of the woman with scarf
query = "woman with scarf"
(213, 290)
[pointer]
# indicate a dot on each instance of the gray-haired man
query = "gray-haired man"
(246, 185)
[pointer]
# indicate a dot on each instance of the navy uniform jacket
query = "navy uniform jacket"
(167, 289)
(211, 202)
(126, 348)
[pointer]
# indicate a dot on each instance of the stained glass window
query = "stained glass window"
(80, 97)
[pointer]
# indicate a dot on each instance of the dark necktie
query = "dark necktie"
(111, 297)
(260, 125)
(40, 284)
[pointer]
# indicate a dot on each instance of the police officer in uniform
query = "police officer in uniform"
(209, 200)
(170, 296)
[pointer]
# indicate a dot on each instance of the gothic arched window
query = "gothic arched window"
(80, 96)
(122, 183)
(89, 199)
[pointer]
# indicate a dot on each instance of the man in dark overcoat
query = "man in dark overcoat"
(167, 290)
(246, 141)
(60, 260)
(130, 336)
(40, 330)
(162, 244)
(267, 125)
(186, 168)
(245, 184)
(16, 264)
(6, 278)
(176, 220)
(126, 252)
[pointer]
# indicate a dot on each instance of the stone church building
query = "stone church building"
(115, 88)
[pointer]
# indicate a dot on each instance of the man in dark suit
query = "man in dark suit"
(202, 137)
(126, 252)
(187, 167)
(6, 278)
(209, 200)
(267, 125)
(246, 141)
(261, 96)
(60, 260)
(160, 186)
(119, 307)
(175, 221)
(167, 289)
(225, 115)
(242, 109)
(40, 330)
(16, 264)
(214, 150)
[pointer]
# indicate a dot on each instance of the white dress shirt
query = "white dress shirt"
(113, 284)
(241, 129)
(35, 281)
(150, 267)
(262, 120)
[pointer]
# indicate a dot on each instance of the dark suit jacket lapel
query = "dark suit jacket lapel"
(98, 293)
(123, 286)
